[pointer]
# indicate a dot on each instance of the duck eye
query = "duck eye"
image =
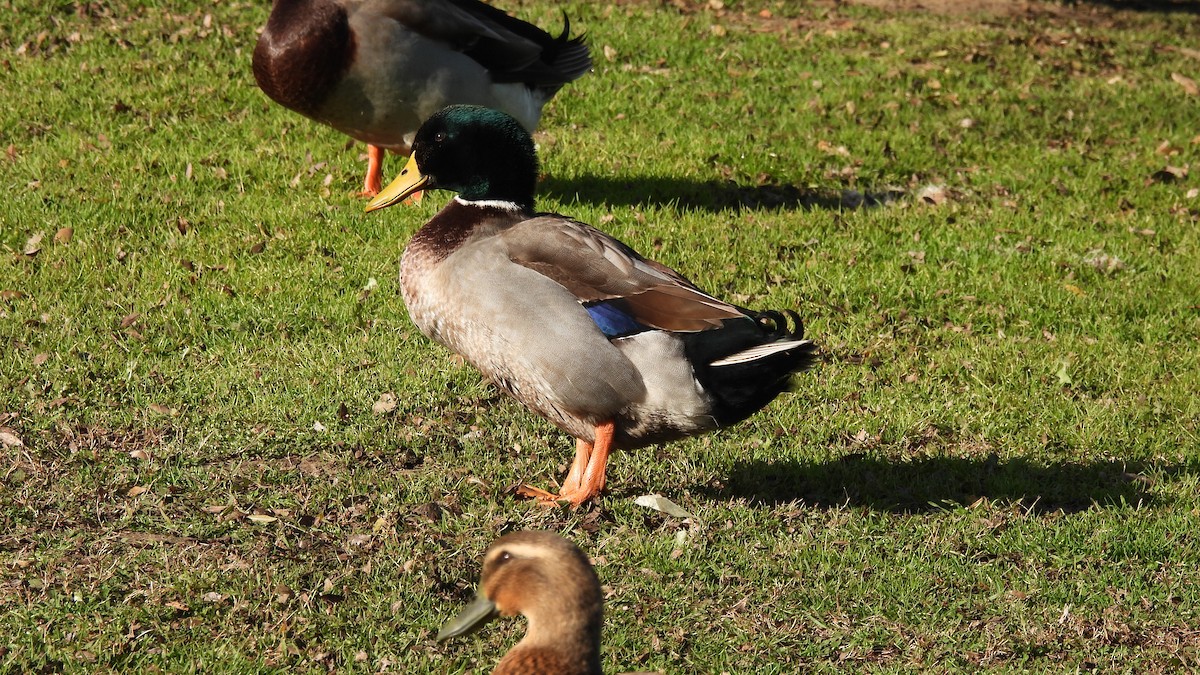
(504, 557)
(439, 137)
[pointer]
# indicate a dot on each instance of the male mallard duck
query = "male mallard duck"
(616, 350)
(550, 581)
(376, 69)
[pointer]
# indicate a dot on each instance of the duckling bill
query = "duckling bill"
(547, 579)
(613, 348)
(376, 69)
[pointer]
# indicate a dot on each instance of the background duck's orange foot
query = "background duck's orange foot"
(531, 492)
(585, 481)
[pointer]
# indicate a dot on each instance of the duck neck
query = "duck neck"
(496, 204)
(576, 634)
(568, 623)
(500, 189)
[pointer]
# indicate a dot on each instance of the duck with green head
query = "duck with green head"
(617, 350)
(376, 69)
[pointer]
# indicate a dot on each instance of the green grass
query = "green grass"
(995, 467)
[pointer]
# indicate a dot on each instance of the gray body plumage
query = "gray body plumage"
(559, 364)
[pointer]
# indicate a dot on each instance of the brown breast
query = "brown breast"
(305, 49)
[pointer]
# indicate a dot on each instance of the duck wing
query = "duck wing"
(624, 292)
(509, 48)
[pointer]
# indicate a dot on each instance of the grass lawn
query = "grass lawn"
(994, 467)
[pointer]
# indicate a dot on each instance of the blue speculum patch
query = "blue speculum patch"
(612, 321)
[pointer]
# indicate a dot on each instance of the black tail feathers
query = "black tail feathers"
(782, 324)
(745, 364)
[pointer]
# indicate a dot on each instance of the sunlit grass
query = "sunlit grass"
(993, 468)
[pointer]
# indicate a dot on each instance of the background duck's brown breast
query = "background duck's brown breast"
(304, 51)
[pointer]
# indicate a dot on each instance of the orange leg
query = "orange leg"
(593, 478)
(585, 480)
(583, 452)
(373, 183)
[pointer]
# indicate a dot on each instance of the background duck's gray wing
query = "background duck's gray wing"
(509, 48)
(595, 267)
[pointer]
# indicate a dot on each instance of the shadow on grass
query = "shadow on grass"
(1164, 6)
(935, 483)
(712, 195)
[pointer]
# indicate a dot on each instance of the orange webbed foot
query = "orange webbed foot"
(585, 481)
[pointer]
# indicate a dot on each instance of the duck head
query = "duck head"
(548, 580)
(480, 153)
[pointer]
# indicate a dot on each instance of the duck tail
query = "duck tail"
(747, 362)
(569, 56)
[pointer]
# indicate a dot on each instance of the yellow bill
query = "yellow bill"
(408, 184)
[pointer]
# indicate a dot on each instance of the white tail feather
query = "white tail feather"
(758, 352)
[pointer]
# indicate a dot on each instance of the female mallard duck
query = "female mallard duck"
(616, 350)
(376, 69)
(550, 581)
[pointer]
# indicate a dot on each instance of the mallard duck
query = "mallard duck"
(617, 350)
(548, 580)
(376, 69)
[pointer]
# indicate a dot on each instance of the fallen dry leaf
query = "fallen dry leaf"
(160, 409)
(40, 359)
(261, 518)
(660, 503)
(1170, 174)
(385, 404)
(1188, 84)
(33, 245)
(932, 194)
(831, 149)
(9, 438)
(136, 490)
(63, 235)
(1107, 264)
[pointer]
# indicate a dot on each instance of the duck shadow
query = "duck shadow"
(711, 195)
(938, 483)
(1163, 6)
